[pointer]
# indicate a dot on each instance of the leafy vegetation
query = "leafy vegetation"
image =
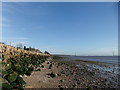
(16, 67)
(55, 57)
(32, 49)
(46, 52)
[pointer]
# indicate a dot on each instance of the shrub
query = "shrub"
(16, 67)
(46, 52)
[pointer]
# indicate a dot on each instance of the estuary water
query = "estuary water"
(111, 69)
(107, 59)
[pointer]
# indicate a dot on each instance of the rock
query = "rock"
(62, 80)
(50, 66)
(25, 76)
(59, 86)
(74, 85)
(67, 74)
(52, 75)
(47, 62)
(29, 87)
(58, 74)
(62, 72)
(42, 66)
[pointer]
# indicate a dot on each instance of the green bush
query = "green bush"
(17, 67)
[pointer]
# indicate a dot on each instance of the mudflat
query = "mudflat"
(66, 74)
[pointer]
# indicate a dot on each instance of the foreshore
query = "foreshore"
(70, 74)
(50, 71)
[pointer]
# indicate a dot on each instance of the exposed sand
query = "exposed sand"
(67, 75)
(61, 74)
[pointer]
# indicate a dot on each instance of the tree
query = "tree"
(46, 52)
(24, 47)
(30, 48)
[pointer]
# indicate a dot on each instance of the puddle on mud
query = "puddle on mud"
(108, 71)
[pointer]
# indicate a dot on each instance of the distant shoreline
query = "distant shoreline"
(86, 55)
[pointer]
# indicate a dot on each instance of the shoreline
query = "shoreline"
(66, 74)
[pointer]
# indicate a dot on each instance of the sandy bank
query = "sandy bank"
(64, 74)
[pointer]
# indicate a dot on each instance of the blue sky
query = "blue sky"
(84, 28)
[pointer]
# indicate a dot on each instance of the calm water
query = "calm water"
(111, 69)
(107, 59)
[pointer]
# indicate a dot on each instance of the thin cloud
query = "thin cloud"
(17, 38)
(11, 8)
(105, 51)
(61, 0)
(22, 42)
(6, 7)
(4, 22)
(22, 38)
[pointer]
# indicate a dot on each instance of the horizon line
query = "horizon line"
(83, 55)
